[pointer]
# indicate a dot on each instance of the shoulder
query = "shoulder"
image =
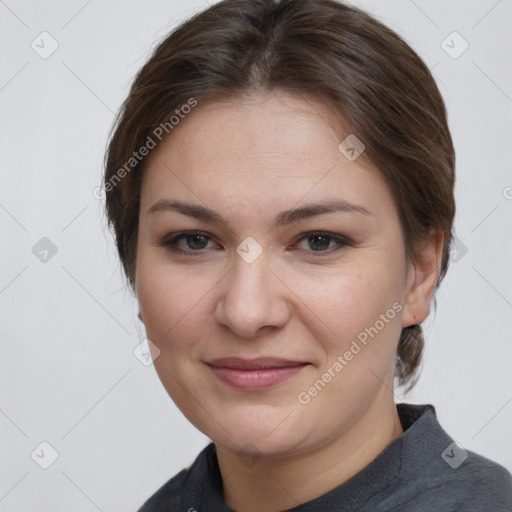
(437, 472)
(477, 485)
(486, 484)
(167, 497)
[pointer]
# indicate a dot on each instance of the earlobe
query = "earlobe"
(422, 280)
(139, 315)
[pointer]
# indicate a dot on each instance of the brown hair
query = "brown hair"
(324, 48)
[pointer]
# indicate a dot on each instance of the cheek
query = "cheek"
(347, 300)
(362, 312)
(361, 307)
(171, 302)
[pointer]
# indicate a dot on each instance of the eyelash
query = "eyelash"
(170, 243)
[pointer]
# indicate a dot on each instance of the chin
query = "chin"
(260, 431)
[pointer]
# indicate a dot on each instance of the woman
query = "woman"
(280, 185)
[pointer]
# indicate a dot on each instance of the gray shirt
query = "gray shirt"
(423, 470)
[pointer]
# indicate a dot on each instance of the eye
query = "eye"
(194, 241)
(320, 242)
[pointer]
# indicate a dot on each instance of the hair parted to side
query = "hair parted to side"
(321, 48)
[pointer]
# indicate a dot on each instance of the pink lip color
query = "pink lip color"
(255, 374)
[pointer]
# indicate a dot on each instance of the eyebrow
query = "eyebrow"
(281, 219)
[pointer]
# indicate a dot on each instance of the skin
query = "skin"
(249, 159)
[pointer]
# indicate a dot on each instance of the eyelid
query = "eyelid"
(341, 241)
(167, 240)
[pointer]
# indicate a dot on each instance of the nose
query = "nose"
(252, 299)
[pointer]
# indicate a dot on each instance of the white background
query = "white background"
(69, 327)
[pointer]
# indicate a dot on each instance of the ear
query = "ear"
(140, 316)
(422, 278)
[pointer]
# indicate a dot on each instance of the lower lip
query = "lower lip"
(253, 380)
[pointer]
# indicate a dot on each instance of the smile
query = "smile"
(255, 374)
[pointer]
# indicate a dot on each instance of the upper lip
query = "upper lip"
(253, 364)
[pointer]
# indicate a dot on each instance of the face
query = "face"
(275, 329)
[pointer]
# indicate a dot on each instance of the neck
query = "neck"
(275, 484)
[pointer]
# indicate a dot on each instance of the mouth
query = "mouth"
(255, 374)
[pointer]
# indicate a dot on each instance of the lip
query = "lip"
(254, 374)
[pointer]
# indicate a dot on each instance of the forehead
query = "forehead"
(263, 148)
(273, 125)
